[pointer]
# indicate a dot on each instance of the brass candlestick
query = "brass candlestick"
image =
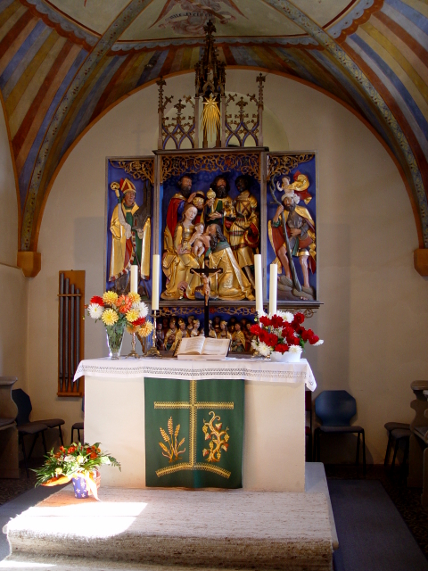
(133, 352)
(153, 351)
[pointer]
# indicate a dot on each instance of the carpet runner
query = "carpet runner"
(150, 529)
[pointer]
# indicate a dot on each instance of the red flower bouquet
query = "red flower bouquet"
(282, 332)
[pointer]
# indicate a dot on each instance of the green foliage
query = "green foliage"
(78, 458)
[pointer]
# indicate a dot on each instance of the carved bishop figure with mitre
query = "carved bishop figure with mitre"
(130, 243)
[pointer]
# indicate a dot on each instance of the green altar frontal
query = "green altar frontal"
(194, 433)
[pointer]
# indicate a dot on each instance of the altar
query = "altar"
(274, 415)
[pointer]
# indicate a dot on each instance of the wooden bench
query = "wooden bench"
(418, 443)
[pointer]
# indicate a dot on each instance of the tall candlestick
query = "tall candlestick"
(134, 279)
(155, 282)
(258, 283)
(273, 285)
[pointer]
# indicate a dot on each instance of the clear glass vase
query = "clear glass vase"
(115, 338)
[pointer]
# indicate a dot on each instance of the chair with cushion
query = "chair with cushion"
(27, 427)
(335, 409)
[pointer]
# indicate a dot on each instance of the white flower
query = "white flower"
(69, 458)
(80, 459)
(141, 307)
(320, 342)
(264, 349)
(58, 471)
(95, 310)
(295, 349)
(286, 315)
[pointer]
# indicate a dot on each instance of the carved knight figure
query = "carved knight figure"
(301, 233)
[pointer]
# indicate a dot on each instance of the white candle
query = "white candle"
(134, 279)
(155, 282)
(258, 283)
(273, 288)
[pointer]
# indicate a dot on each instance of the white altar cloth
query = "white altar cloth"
(274, 424)
(247, 369)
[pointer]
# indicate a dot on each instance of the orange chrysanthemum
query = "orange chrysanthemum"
(123, 304)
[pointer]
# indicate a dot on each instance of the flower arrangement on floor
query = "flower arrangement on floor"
(120, 312)
(282, 332)
(73, 461)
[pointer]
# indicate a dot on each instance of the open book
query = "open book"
(201, 347)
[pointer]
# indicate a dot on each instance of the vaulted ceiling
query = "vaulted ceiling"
(64, 62)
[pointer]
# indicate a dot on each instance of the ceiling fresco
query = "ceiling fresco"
(169, 19)
(64, 62)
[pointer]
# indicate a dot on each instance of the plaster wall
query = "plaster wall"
(375, 307)
(13, 286)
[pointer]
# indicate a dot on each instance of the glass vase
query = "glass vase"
(115, 338)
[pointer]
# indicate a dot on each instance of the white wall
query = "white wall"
(375, 306)
(13, 286)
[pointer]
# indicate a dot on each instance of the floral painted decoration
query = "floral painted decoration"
(282, 332)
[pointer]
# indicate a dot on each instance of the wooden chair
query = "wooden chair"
(27, 427)
(78, 426)
(398, 435)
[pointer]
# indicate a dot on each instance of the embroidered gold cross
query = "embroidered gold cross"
(193, 405)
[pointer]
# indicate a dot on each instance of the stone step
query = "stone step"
(232, 529)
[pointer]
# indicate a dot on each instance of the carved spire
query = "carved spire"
(210, 77)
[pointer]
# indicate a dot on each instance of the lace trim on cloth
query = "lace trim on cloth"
(247, 369)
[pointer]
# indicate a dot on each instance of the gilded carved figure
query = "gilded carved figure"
(170, 335)
(175, 210)
(224, 333)
(130, 243)
(181, 332)
(238, 340)
(231, 284)
(244, 233)
(179, 260)
(219, 206)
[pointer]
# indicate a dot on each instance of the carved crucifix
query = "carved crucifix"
(205, 274)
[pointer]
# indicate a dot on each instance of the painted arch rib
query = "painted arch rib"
(350, 68)
(38, 183)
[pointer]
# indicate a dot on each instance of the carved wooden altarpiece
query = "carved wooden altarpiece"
(164, 216)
